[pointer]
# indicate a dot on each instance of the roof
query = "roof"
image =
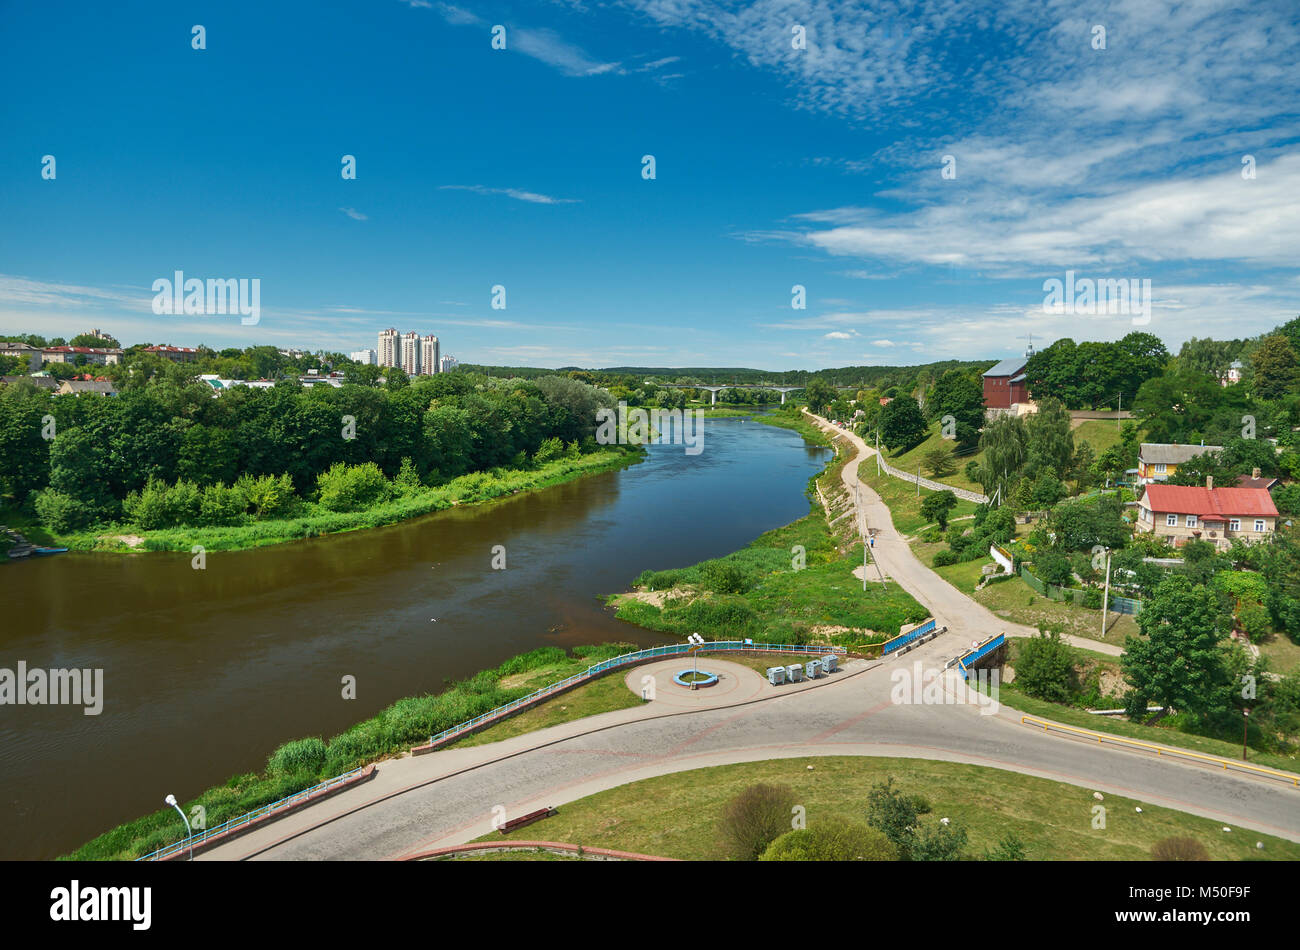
(1210, 502)
(45, 382)
(1245, 481)
(1173, 453)
(88, 386)
(1009, 367)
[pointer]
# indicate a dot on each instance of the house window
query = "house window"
(1160, 468)
(1191, 521)
(1259, 524)
(1234, 524)
(1171, 520)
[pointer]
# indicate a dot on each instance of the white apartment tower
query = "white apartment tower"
(447, 364)
(428, 355)
(411, 353)
(389, 352)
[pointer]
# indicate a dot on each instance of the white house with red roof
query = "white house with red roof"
(1179, 513)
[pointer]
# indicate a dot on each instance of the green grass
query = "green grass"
(909, 460)
(1163, 732)
(1101, 434)
(393, 731)
(901, 498)
(1016, 601)
(1282, 652)
(677, 815)
(606, 694)
(315, 521)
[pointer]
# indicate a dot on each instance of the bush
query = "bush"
(754, 819)
(1179, 849)
(832, 840)
(159, 505)
(267, 496)
(60, 512)
(1092, 598)
(550, 450)
(300, 755)
(1045, 668)
(1052, 568)
(945, 557)
(352, 487)
(724, 577)
(221, 505)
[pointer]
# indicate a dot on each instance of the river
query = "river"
(207, 671)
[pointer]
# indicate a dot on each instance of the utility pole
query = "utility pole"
(918, 479)
(1119, 425)
(1105, 601)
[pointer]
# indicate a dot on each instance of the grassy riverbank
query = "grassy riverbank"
(794, 584)
(303, 763)
(679, 815)
(311, 520)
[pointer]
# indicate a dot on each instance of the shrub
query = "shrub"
(945, 557)
(1179, 849)
(725, 577)
(550, 450)
(754, 819)
(267, 496)
(352, 487)
(300, 755)
(1045, 668)
(1052, 568)
(61, 512)
(221, 505)
(832, 840)
(1092, 598)
(1010, 848)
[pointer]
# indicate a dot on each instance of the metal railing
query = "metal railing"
(905, 638)
(1161, 750)
(983, 649)
(626, 659)
(226, 827)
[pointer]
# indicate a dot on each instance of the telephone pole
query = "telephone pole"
(1105, 600)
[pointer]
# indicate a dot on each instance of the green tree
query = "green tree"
(1275, 367)
(1179, 660)
(936, 506)
(1045, 668)
(754, 819)
(819, 394)
(833, 839)
(939, 461)
(1049, 442)
(901, 423)
(1004, 445)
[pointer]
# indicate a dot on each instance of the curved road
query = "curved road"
(449, 797)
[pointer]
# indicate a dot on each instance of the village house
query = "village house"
(1254, 480)
(97, 355)
(1180, 513)
(1157, 461)
(177, 354)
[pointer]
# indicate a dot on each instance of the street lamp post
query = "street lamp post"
(1245, 723)
(171, 800)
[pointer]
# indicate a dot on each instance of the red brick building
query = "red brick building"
(1004, 384)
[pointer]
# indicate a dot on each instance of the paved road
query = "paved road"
(449, 797)
(949, 606)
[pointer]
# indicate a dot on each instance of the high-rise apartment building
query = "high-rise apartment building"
(428, 355)
(365, 357)
(389, 352)
(447, 364)
(411, 353)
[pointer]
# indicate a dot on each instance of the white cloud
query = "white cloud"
(529, 196)
(354, 214)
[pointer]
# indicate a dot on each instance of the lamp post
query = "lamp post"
(171, 800)
(1245, 723)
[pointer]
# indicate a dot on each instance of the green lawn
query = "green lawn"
(901, 498)
(1016, 601)
(909, 460)
(678, 815)
(1282, 652)
(1101, 434)
(605, 694)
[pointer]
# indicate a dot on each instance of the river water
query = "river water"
(207, 671)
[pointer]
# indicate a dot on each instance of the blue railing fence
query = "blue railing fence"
(903, 639)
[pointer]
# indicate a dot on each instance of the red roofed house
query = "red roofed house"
(178, 354)
(1180, 513)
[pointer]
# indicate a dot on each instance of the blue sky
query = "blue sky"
(775, 166)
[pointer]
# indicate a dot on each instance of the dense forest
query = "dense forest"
(251, 453)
